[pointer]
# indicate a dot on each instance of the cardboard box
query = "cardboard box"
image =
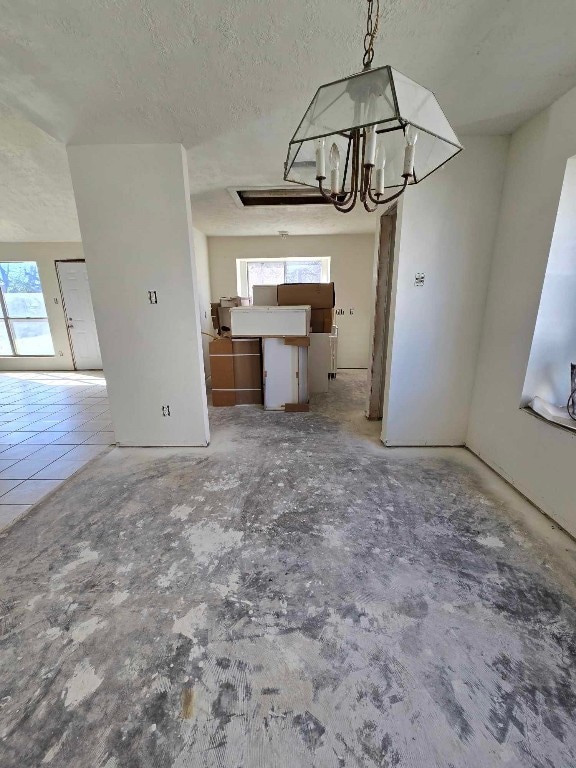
(265, 295)
(321, 320)
(234, 301)
(316, 295)
(270, 321)
(236, 369)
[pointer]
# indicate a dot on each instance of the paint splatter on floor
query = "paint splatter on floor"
(295, 595)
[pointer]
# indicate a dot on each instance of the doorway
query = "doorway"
(79, 314)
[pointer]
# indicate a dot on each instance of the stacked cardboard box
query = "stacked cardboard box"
(236, 368)
(220, 311)
(319, 296)
(283, 330)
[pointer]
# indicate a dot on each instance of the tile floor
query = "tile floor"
(51, 425)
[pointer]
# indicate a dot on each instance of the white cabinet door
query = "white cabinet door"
(280, 374)
(79, 312)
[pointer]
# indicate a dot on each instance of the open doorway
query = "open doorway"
(79, 313)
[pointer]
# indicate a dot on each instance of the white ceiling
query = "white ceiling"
(230, 79)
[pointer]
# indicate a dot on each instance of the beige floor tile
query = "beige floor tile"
(42, 438)
(9, 513)
(58, 470)
(101, 438)
(30, 491)
(7, 485)
(83, 452)
(18, 452)
(24, 469)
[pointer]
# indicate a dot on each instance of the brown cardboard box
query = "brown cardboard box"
(234, 301)
(236, 368)
(317, 295)
(321, 320)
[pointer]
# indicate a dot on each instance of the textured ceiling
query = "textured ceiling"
(231, 78)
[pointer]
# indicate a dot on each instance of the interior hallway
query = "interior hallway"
(294, 595)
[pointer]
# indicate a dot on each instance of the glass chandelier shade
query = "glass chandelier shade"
(378, 126)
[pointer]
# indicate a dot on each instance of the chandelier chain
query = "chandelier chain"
(371, 32)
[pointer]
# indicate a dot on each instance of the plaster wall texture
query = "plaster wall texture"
(45, 255)
(134, 211)
(351, 264)
(446, 229)
(554, 344)
(536, 457)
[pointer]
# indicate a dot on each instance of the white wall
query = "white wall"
(45, 255)
(446, 228)
(536, 457)
(203, 276)
(133, 205)
(554, 344)
(351, 270)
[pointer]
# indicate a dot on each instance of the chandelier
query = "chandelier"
(377, 131)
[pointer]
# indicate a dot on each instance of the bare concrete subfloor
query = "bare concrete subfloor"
(294, 595)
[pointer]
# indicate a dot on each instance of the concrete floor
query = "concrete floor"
(294, 595)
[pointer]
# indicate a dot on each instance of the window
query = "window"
(253, 272)
(549, 377)
(24, 328)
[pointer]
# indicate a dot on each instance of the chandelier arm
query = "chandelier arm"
(367, 197)
(396, 195)
(366, 182)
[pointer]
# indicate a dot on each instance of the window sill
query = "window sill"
(550, 420)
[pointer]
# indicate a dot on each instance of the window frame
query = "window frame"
(242, 268)
(7, 318)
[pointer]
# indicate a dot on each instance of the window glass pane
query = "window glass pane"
(32, 337)
(22, 289)
(303, 272)
(264, 273)
(5, 348)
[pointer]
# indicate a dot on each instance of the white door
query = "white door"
(77, 303)
(280, 374)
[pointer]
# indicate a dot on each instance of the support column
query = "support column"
(133, 205)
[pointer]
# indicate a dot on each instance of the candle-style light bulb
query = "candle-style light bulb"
(370, 146)
(380, 165)
(335, 169)
(371, 136)
(411, 136)
(320, 159)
